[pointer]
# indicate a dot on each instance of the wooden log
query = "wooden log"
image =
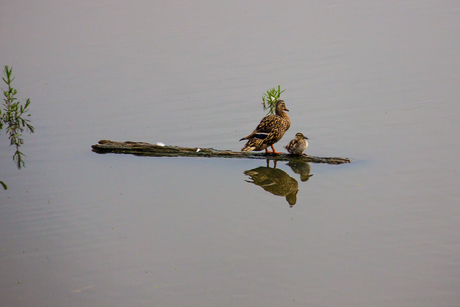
(151, 150)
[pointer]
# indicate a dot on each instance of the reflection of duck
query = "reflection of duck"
(269, 131)
(297, 145)
(275, 181)
(299, 166)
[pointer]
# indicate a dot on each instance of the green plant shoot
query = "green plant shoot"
(270, 98)
(11, 115)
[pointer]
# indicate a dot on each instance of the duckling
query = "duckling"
(297, 145)
(269, 131)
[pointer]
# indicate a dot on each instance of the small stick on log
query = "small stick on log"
(150, 150)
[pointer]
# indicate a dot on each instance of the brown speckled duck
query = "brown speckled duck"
(269, 131)
(297, 145)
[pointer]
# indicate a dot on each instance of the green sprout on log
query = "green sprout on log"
(270, 98)
(11, 115)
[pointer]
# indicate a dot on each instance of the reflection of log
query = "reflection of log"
(146, 149)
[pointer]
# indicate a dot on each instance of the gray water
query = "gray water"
(376, 82)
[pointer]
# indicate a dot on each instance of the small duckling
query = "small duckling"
(297, 145)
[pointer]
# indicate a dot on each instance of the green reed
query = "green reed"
(12, 116)
(270, 98)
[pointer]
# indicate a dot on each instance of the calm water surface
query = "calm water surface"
(375, 82)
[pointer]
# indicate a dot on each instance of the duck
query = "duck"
(269, 131)
(298, 145)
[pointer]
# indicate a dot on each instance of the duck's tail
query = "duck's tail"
(247, 148)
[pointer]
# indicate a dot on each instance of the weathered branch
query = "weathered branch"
(147, 149)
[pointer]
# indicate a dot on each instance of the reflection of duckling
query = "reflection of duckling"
(269, 131)
(275, 181)
(297, 145)
(301, 167)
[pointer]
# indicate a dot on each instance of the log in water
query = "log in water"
(152, 150)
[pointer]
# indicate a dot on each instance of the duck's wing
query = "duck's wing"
(268, 123)
(264, 128)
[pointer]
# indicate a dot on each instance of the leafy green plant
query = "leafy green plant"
(11, 115)
(270, 98)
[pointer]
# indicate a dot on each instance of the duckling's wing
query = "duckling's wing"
(290, 144)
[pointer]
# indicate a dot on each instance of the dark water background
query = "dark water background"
(373, 81)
